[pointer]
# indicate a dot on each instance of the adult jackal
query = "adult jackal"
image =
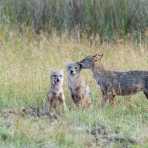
(80, 92)
(114, 83)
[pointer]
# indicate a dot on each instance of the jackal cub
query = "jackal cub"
(80, 92)
(56, 97)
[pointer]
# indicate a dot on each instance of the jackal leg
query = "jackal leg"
(146, 93)
(107, 97)
(111, 100)
(64, 104)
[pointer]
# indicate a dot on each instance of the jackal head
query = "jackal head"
(57, 78)
(73, 69)
(89, 61)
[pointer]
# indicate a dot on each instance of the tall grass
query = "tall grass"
(107, 19)
(26, 59)
(25, 62)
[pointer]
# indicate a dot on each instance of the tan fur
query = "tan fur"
(56, 97)
(79, 90)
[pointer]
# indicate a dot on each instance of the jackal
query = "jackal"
(80, 92)
(56, 96)
(114, 83)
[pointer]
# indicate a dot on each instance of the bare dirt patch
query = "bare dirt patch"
(104, 136)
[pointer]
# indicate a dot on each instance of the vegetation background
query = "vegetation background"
(39, 35)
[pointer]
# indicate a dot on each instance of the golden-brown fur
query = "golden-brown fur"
(55, 96)
(79, 90)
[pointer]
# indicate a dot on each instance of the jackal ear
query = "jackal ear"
(97, 56)
(67, 63)
(61, 71)
(78, 63)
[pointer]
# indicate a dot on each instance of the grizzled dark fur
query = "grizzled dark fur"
(114, 83)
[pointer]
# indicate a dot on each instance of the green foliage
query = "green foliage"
(25, 62)
(106, 18)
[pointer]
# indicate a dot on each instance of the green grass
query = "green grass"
(107, 19)
(25, 62)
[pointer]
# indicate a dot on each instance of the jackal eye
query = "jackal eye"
(76, 68)
(60, 76)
